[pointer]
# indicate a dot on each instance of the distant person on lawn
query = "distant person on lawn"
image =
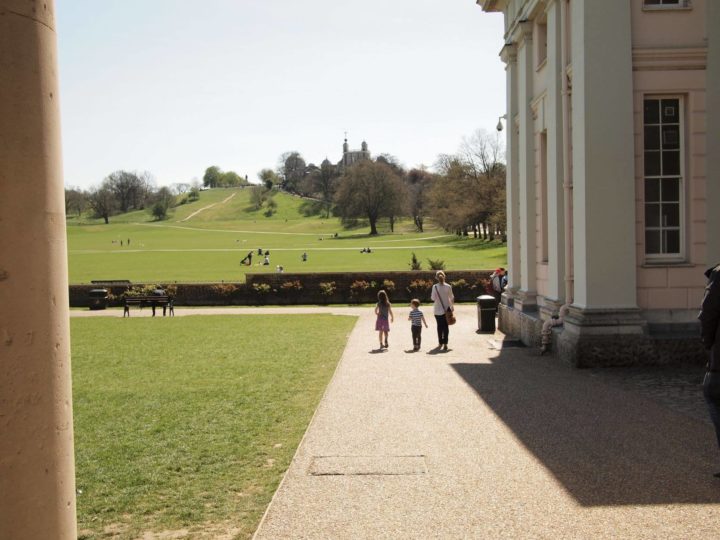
(383, 310)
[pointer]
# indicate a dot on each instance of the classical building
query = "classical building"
(613, 190)
(353, 156)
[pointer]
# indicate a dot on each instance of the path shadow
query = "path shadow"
(607, 445)
(377, 351)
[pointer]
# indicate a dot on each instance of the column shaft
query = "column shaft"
(512, 182)
(713, 128)
(555, 149)
(37, 476)
(603, 163)
(526, 155)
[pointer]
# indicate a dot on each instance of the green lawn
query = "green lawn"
(209, 245)
(190, 422)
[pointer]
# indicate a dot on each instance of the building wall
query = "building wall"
(587, 148)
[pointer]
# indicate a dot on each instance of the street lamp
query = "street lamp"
(499, 126)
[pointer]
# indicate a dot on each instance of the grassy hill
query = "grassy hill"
(205, 241)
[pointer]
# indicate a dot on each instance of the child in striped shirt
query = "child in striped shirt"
(417, 320)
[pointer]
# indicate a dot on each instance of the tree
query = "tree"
(75, 200)
(369, 189)
(469, 193)
(163, 201)
(258, 194)
(269, 178)
(323, 182)
(292, 169)
(418, 183)
(129, 188)
(212, 176)
(102, 202)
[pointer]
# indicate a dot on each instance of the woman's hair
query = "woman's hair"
(439, 273)
(383, 298)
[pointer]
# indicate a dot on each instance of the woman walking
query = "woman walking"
(443, 299)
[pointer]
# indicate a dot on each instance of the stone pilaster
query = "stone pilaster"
(555, 148)
(526, 296)
(712, 84)
(509, 56)
(37, 475)
(605, 305)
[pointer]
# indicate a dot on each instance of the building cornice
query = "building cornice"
(508, 53)
(492, 5)
(670, 59)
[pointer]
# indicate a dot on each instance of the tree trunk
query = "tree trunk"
(392, 223)
(107, 220)
(373, 226)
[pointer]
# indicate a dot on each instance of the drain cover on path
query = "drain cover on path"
(367, 465)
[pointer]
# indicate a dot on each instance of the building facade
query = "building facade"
(353, 156)
(613, 183)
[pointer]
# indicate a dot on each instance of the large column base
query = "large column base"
(604, 338)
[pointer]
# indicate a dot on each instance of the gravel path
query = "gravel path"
(486, 443)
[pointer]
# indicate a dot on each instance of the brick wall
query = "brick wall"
(306, 288)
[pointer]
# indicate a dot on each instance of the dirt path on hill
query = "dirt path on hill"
(196, 212)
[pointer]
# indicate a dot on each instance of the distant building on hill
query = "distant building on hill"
(353, 156)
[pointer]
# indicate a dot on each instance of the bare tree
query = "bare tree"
(102, 202)
(369, 189)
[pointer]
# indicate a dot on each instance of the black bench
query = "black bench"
(153, 301)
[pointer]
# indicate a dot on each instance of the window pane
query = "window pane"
(652, 137)
(652, 215)
(652, 242)
(670, 137)
(670, 190)
(652, 190)
(671, 162)
(671, 241)
(652, 111)
(670, 111)
(671, 215)
(652, 163)
(652, 2)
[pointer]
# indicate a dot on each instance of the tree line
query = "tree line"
(126, 191)
(465, 194)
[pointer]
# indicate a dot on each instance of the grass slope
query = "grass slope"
(191, 422)
(205, 241)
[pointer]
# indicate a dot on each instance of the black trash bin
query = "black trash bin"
(487, 307)
(98, 298)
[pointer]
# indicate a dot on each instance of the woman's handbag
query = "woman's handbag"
(449, 315)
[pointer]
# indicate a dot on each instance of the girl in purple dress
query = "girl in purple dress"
(383, 310)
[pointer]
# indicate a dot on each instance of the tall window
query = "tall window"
(663, 178)
(667, 3)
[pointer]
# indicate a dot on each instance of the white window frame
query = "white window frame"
(657, 258)
(679, 4)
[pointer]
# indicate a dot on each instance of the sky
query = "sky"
(175, 86)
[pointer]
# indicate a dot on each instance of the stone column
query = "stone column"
(555, 172)
(509, 56)
(712, 97)
(37, 473)
(604, 325)
(525, 298)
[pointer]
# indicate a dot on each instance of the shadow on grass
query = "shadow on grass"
(606, 445)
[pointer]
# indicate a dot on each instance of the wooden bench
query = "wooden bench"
(153, 301)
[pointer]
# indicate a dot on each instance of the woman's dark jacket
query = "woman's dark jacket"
(710, 314)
